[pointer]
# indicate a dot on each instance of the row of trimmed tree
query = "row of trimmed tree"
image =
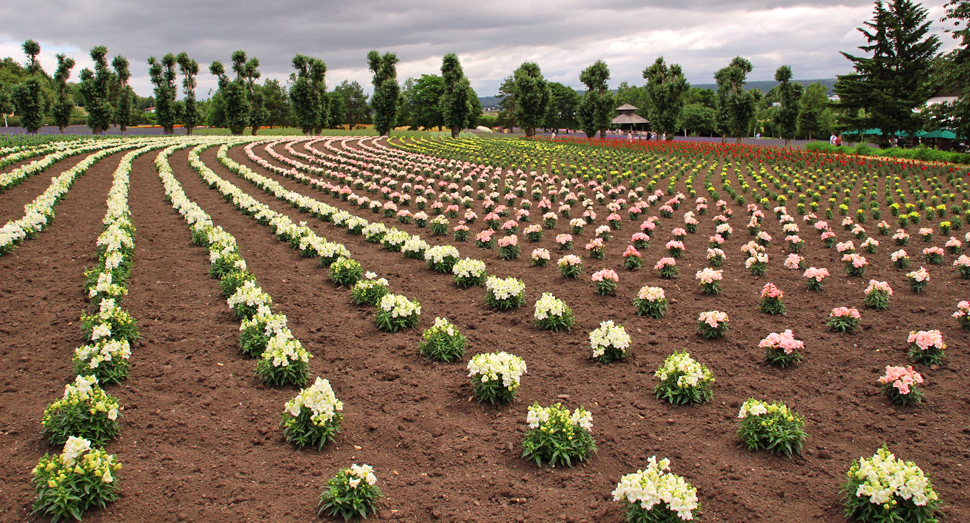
(241, 100)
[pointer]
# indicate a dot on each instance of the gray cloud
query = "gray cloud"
(491, 36)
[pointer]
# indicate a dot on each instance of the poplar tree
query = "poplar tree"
(665, 91)
(304, 97)
(384, 100)
(456, 103)
(318, 75)
(308, 96)
(6, 103)
(248, 72)
(95, 86)
(532, 97)
(191, 113)
(596, 108)
(790, 94)
(124, 109)
(163, 75)
(28, 96)
(65, 102)
(894, 79)
(736, 106)
(233, 94)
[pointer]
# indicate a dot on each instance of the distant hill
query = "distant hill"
(761, 85)
(766, 85)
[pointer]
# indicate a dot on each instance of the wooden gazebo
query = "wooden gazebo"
(629, 120)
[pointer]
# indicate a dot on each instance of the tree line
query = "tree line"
(886, 93)
(103, 98)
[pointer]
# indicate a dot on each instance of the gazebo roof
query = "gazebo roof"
(626, 107)
(629, 118)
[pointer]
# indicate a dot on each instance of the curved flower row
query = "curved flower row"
(39, 213)
(65, 150)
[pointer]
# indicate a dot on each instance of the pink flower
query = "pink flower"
(927, 339)
(902, 378)
(631, 251)
(508, 241)
(665, 261)
(842, 312)
(639, 237)
(605, 274)
(785, 341)
(771, 291)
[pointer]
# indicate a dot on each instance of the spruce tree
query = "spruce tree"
(895, 78)
(956, 68)
(384, 100)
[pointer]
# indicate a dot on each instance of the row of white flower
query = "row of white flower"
(39, 213)
(62, 151)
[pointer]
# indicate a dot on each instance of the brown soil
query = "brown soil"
(199, 433)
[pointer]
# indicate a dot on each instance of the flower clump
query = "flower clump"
(926, 346)
(683, 381)
(650, 301)
(85, 410)
(878, 294)
(710, 280)
(313, 416)
(469, 272)
(396, 312)
(553, 314)
(609, 342)
(899, 384)
(496, 376)
(654, 494)
(771, 426)
(557, 436)
(782, 349)
(370, 290)
(883, 488)
(844, 319)
(504, 293)
(712, 324)
(351, 494)
(78, 479)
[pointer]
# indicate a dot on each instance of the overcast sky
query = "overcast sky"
(491, 37)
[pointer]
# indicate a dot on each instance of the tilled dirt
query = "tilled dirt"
(199, 438)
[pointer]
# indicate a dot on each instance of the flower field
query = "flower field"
(206, 281)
